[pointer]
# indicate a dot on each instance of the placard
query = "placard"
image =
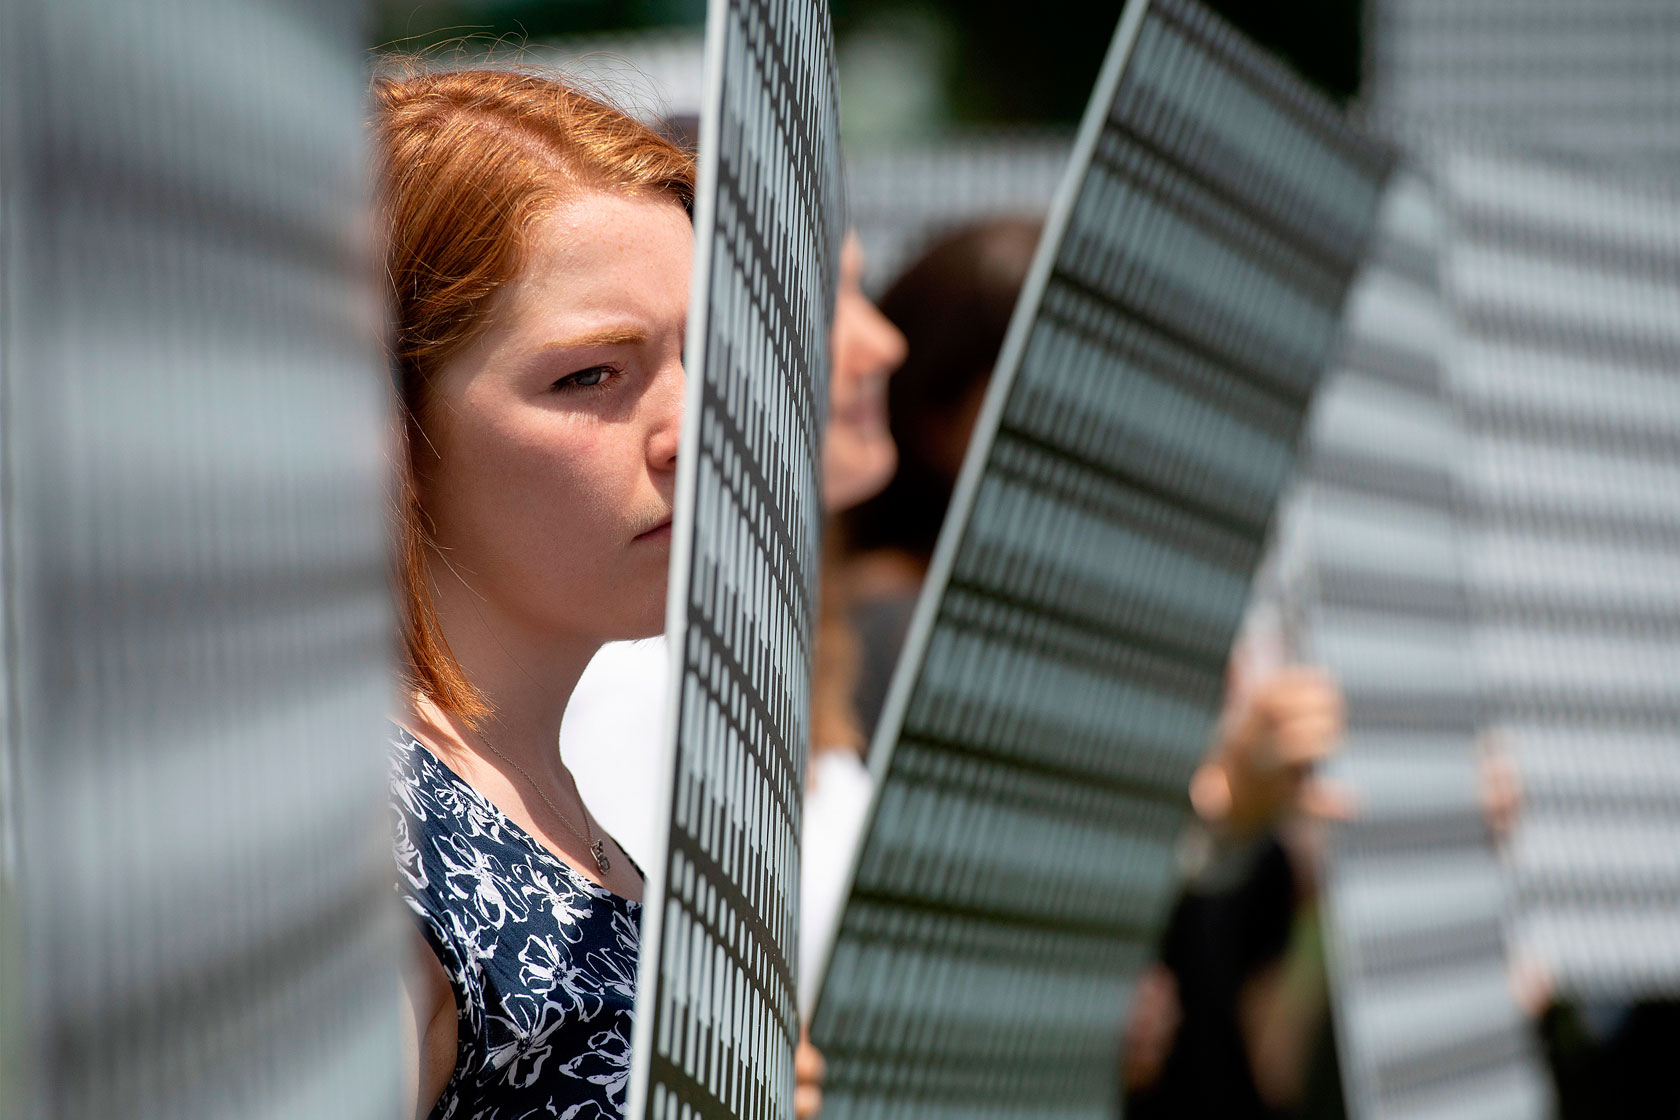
(196, 908)
(1414, 897)
(716, 1013)
(1564, 280)
(1066, 660)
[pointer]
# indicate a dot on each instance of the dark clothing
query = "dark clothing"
(1216, 940)
(881, 624)
(542, 961)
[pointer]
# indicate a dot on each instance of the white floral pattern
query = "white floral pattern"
(542, 961)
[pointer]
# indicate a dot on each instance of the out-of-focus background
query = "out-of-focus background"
(959, 110)
(1484, 550)
(929, 90)
(912, 69)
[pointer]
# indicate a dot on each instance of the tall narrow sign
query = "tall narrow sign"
(195, 892)
(1426, 1016)
(1589, 77)
(1065, 665)
(716, 1016)
(1564, 279)
(1551, 133)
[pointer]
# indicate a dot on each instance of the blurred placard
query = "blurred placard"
(196, 614)
(1066, 663)
(1590, 77)
(1427, 1020)
(1564, 280)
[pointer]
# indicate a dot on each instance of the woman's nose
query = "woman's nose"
(868, 344)
(888, 341)
(666, 401)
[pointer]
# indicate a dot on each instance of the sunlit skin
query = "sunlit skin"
(547, 475)
(859, 455)
(555, 437)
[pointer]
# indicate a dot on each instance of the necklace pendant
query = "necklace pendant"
(598, 850)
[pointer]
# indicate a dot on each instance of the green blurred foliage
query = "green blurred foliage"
(1004, 61)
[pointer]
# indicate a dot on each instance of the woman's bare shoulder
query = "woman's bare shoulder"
(428, 1026)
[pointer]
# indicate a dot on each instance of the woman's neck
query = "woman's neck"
(525, 678)
(512, 756)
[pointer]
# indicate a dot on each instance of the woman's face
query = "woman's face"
(550, 456)
(859, 456)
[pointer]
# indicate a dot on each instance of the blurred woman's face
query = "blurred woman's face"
(549, 464)
(859, 456)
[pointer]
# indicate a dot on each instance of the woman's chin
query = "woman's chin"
(649, 620)
(856, 470)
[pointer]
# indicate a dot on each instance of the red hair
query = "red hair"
(466, 161)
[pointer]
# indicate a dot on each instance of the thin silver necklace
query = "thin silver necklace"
(597, 848)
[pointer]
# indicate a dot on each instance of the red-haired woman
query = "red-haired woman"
(538, 247)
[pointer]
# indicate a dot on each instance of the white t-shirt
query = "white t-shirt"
(612, 740)
(836, 808)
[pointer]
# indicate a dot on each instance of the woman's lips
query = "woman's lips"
(660, 532)
(861, 416)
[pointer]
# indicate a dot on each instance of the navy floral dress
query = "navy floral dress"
(542, 961)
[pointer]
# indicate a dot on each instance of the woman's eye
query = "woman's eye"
(585, 379)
